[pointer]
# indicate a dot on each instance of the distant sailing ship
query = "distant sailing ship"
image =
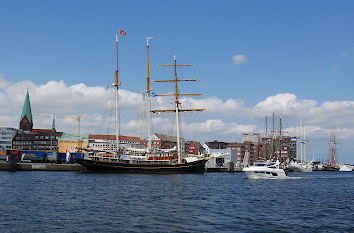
(332, 163)
(118, 162)
(302, 165)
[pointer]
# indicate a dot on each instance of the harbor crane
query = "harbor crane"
(77, 117)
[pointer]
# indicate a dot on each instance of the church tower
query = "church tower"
(26, 122)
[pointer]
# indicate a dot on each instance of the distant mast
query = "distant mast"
(116, 85)
(177, 109)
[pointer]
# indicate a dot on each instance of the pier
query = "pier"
(6, 166)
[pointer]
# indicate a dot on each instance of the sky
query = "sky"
(294, 58)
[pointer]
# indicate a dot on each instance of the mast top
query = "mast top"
(116, 38)
(147, 40)
(176, 94)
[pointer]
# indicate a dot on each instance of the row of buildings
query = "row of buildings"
(253, 146)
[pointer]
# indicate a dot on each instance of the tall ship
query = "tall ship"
(332, 163)
(172, 161)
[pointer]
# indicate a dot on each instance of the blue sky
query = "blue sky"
(304, 48)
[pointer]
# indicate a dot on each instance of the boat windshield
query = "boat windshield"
(264, 164)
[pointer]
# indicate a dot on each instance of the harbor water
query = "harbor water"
(212, 202)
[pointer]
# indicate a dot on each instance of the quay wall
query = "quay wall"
(5, 166)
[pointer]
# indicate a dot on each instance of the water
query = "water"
(211, 202)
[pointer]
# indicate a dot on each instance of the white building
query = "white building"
(222, 158)
(250, 137)
(108, 142)
(6, 136)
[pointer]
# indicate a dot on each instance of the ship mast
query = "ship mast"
(333, 158)
(177, 109)
(273, 138)
(304, 129)
(297, 142)
(301, 141)
(148, 95)
(116, 85)
(266, 138)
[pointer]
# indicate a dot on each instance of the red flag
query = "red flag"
(122, 32)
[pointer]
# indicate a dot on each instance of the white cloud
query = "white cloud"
(239, 59)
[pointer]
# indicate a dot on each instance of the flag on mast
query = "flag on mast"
(122, 32)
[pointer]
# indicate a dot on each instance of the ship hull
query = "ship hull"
(126, 167)
(330, 168)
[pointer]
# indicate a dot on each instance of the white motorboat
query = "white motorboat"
(346, 168)
(300, 167)
(265, 170)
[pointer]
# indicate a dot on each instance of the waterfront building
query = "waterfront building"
(195, 148)
(162, 141)
(250, 137)
(27, 138)
(254, 148)
(6, 136)
(247, 152)
(37, 139)
(108, 142)
(222, 158)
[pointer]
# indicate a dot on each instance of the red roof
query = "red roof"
(43, 130)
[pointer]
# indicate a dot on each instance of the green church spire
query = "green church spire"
(53, 123)
(26, 111)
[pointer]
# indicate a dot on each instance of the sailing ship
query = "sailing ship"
(332, 163)
(117, 161)
(300, 165)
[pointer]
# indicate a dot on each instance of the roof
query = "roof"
(43, 130)
(113, 137)
(26, 110)
(217, 145)
(167, 138)
(197, 144)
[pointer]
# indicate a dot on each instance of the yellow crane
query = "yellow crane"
(77, 117)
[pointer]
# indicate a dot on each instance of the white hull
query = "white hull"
(264, 172)
(346, 168)
(298, 167)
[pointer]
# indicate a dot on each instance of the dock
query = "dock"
(75, 167)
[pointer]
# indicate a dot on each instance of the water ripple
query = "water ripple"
(213, 202)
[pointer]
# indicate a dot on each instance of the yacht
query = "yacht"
(265, 170)
(300, 167)
(346, 168)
